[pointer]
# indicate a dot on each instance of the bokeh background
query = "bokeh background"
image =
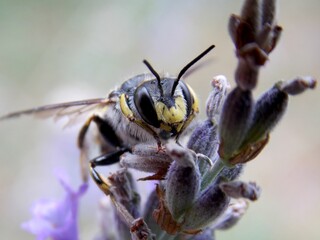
(56, 50)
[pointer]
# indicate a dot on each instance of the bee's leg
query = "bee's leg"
(101, 181)
(103, 160)
(153, 133)
(106, 131)
(83, 149)
(108, 158)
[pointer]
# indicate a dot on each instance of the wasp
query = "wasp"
(146, 108)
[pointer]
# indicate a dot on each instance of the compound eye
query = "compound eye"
(145, 106)
(187, 96)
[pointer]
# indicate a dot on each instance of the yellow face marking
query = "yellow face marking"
(195, 105)
(174, 114)
(194, 110)
(125, 108)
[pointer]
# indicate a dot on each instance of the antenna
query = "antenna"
(155, 74)
(183, 71)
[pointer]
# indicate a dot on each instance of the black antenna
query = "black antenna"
(183, 71)
(155, 74)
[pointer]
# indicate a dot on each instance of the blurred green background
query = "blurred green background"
(55, 51)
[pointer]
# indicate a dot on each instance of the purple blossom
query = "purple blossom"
(56, 219)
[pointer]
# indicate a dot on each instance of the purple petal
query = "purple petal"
(56, 218)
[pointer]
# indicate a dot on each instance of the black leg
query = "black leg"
(109, 158)
(100, 181)
(103, 160)
(105, 129)
(107, 133)
(96, 176)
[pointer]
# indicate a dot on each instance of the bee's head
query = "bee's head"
(167, 103)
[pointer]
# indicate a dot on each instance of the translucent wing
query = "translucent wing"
(72, 110)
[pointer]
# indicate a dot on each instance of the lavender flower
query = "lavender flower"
(56, 219)
(198, 192)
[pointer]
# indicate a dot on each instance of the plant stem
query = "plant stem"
(211, 175)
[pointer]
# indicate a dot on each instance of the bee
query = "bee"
(145, 108)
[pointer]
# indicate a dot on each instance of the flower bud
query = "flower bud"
(217, 96)
(208, 207)
(204, 139)
(298, 85)
(243, 35)
(232, 215)
(183, 181)
(251, 15)
(266, 114)
(268, 12)
(269, 37)
(239, 189)
(275, 37)
(234, 121)
(233, 25)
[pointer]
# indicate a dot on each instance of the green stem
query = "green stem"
(211, 175)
